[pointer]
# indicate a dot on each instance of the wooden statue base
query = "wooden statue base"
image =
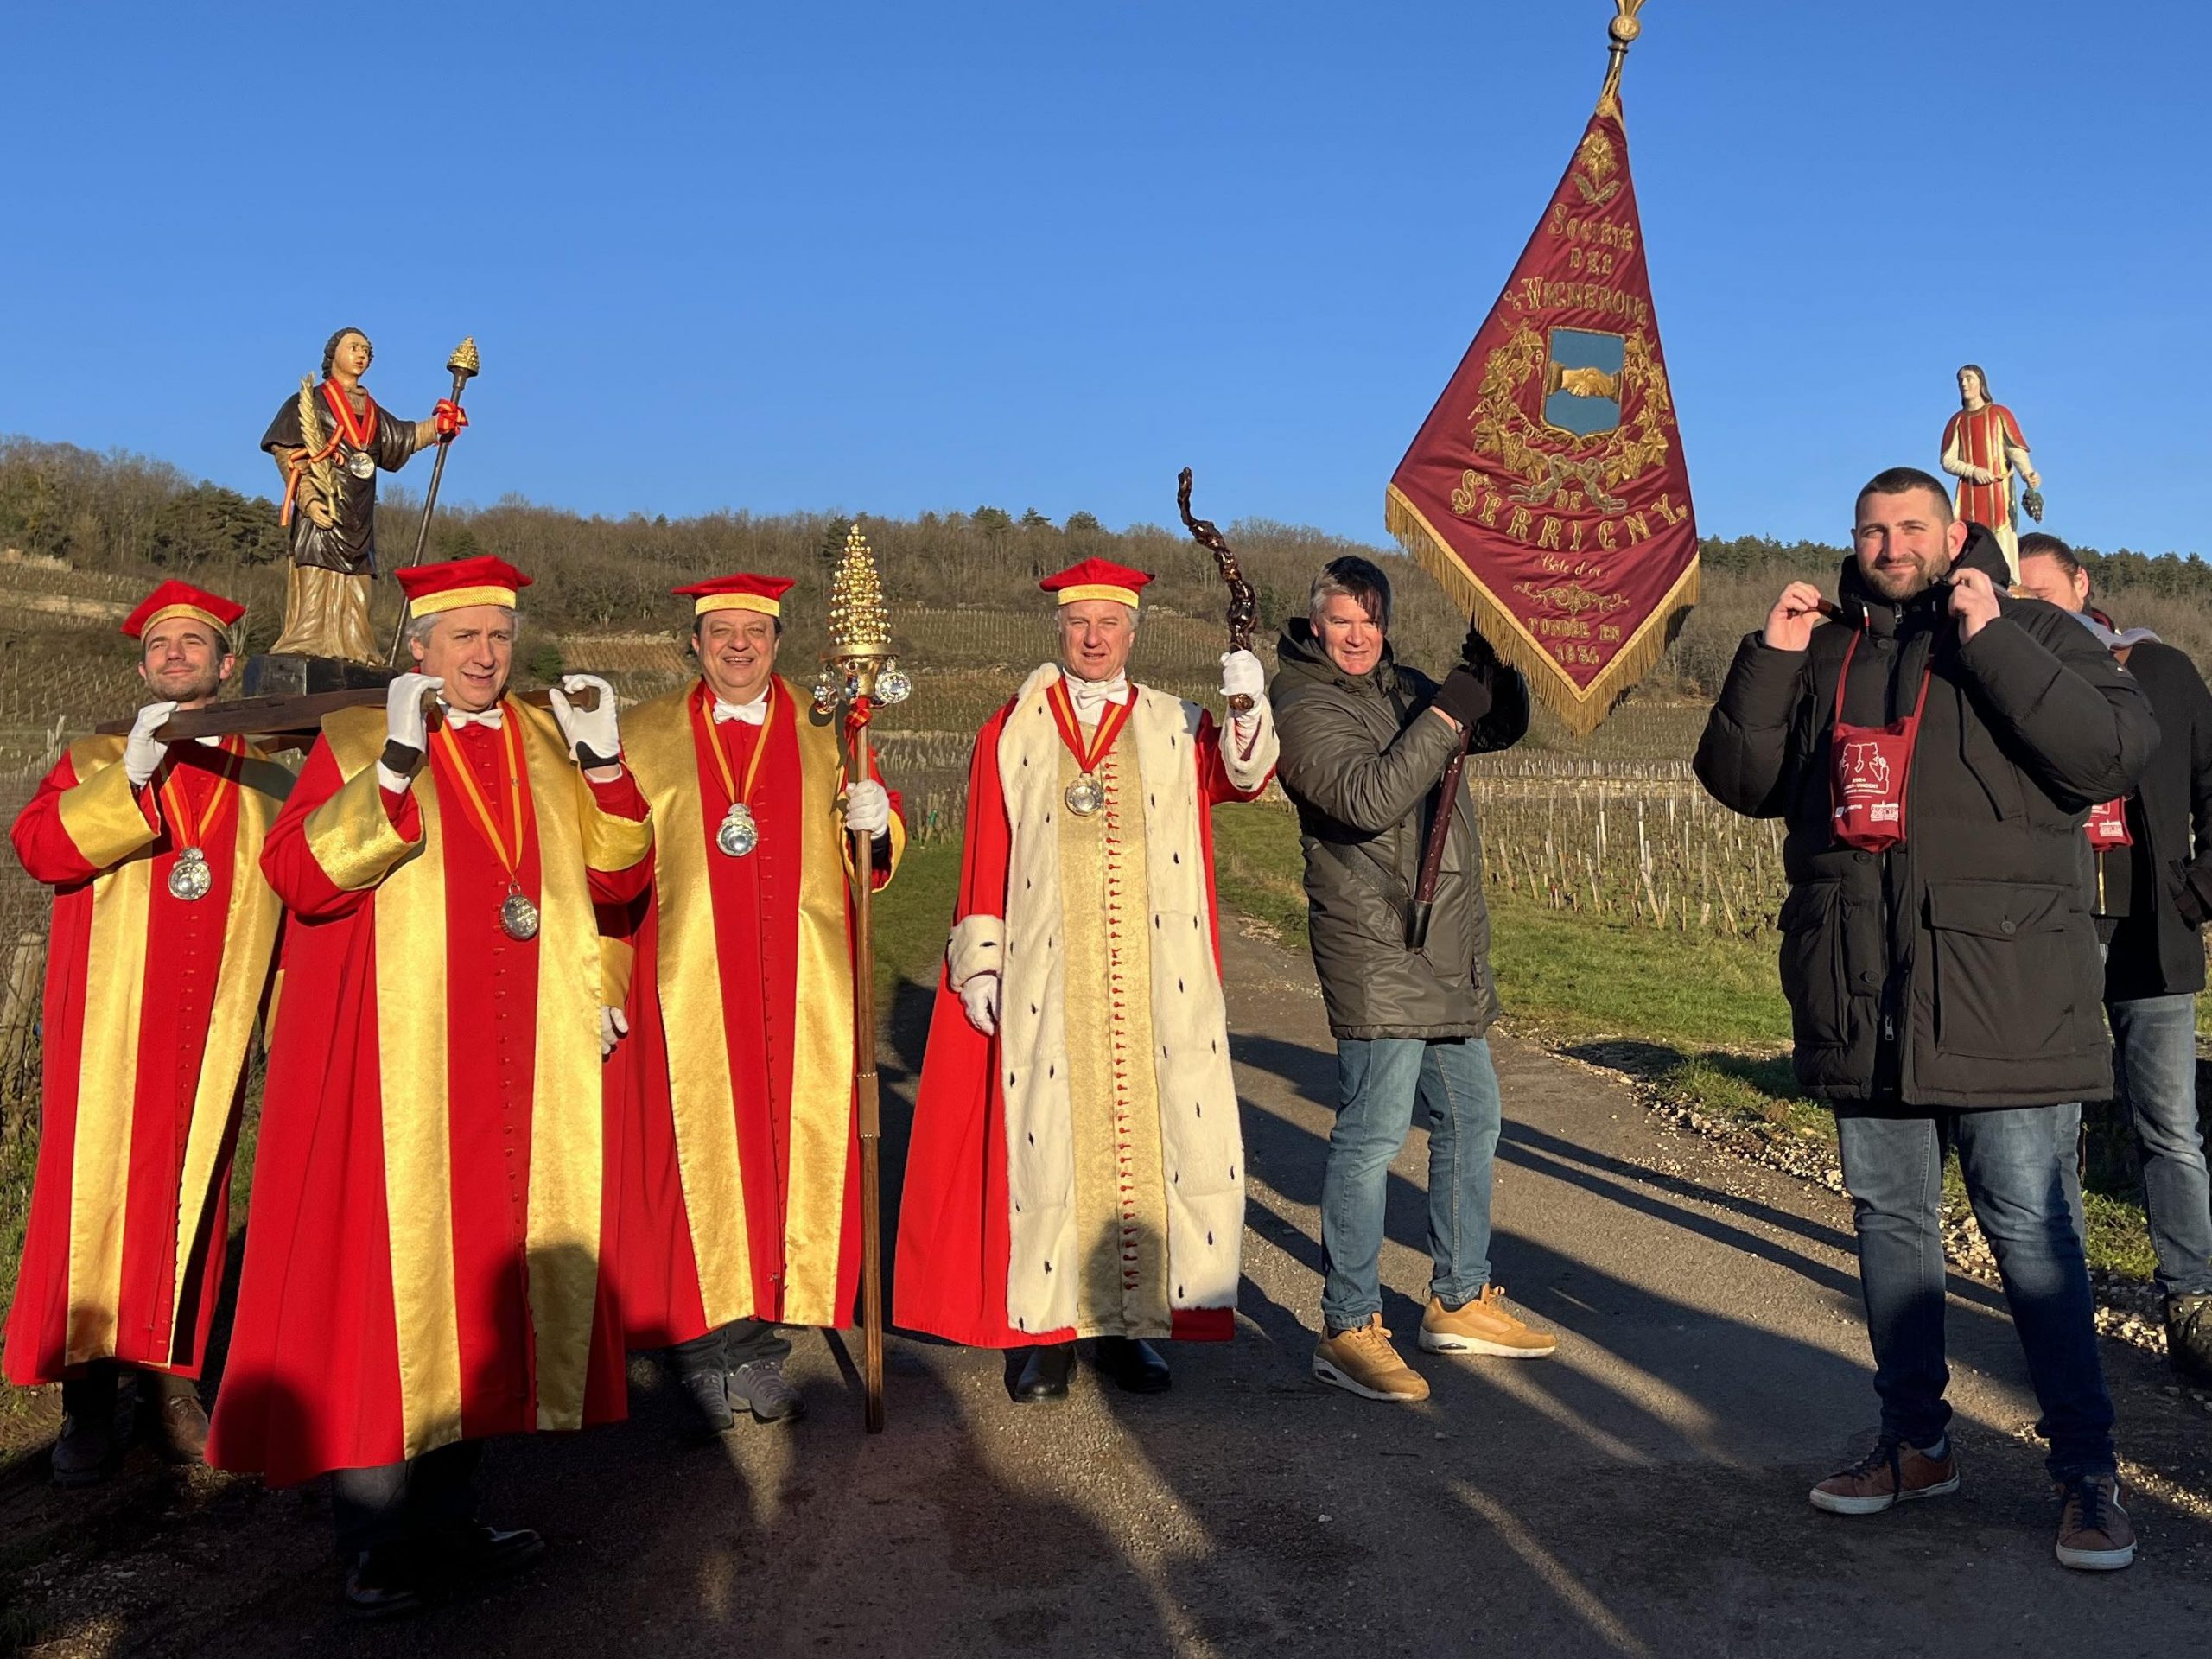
(301, 677)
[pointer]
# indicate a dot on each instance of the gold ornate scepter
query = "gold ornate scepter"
(464, 363)
(1244, 604)
(859, 674)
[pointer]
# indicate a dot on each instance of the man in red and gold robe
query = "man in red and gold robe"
(424, 1263)
(1076, 1167)
(156, 963)
(1982, 448)
(741, 1205)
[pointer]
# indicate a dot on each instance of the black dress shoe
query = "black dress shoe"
(1043, 1374)
(490, 1552)
(181, 1427)
(1134, 1365)
(85, 1455)
(383, 1584)
(706, 1403)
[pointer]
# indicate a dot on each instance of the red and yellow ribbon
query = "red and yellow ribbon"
(1110, 725)
(721, 761)
(479, 811)
(187, 830)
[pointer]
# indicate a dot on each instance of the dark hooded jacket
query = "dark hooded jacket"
(1362, 760)
(2157, 951)
(1960, 969)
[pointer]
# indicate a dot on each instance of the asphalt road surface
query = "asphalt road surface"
(1641, 1493)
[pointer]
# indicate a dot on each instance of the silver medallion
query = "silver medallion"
(189, 877)
(518, 916)
(361, 464)
(739, 834)
(1085, 796)
(893, 686)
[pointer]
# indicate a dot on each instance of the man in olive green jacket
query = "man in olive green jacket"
(1365, 742)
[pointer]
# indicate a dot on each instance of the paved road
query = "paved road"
(1643, 1493)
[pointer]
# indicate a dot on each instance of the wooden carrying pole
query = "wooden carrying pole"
(294, 721)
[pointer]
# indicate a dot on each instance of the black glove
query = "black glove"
(1477, 654)
(1464, 696)
(2192, 894)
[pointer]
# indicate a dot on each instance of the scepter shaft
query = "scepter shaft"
(1244, 604)
(868, 1103)
(464, 363)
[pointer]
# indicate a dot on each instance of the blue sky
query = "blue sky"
(892, 257)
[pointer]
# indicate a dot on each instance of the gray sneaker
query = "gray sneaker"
(761, 1387)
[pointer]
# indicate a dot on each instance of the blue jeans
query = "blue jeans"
(2154, 1040)
(1378, 1082)
(2016, 1172)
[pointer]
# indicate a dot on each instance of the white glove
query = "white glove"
(613, 1026)
(868, 809)
(595, 729)
(1241, 676)
(980, 996)
(403, 710)
(143, 753)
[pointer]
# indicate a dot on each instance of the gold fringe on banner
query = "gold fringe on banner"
(1581, 711)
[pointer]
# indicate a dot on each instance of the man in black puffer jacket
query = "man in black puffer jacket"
(1937, 954)
(1365, 742)
(2152, 894)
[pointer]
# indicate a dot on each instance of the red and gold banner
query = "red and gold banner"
(1547, 490)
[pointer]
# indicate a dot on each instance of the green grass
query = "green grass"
(911, 917)
(1257, 868)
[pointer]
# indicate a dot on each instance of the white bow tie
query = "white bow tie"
(490, 719)
(755, 712)
(1091, 697)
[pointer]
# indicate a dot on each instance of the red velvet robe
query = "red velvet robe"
(740, 1195)
(151, 1006)
(956, 1232)
(433, 1200)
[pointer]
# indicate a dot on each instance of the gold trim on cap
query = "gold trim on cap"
(222, 628)
(736, 602)
(454, 598)
(1098, 590)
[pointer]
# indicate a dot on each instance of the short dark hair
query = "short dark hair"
(2041, 544)
(1902, 481)
(1355, 578)
(330, 348)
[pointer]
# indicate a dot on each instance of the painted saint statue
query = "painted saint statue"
(329, 442)
(1982, 448)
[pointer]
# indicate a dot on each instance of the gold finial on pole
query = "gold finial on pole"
(859, 675)
(859, 663)
(1621, 33)
(464, 363)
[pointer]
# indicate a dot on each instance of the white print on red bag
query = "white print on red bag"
(1865, 773)
(2106, 827)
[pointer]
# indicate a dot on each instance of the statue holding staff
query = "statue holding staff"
(329, 442)
(1983, 448)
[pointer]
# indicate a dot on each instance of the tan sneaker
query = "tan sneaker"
(1361, 1361)
(1482, 1326)
(2094, 1534)
(1891, 1473)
